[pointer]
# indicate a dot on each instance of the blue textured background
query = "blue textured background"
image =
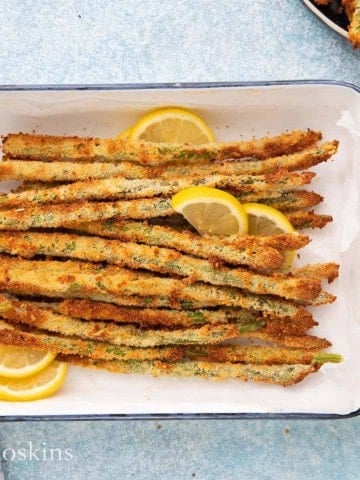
(181, 450)
(79, 41)
(82, 41)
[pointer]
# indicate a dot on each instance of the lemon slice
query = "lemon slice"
(265, 220)
(34, 387)
(172, 125)
(211, 211)
(19, 362)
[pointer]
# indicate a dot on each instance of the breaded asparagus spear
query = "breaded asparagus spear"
(308, 219)
(146, 317)
(251, 196)
(283, 201)
(89, 310)
(244, 320)
(128, 335)
(88, 348)
(54, 216)
(259, 354)
(35, 185)
(307, 342)
(63, 171)
(72, 280)
(329, 271)
(40, 340)
(120, 188)
(295, 200)
(130, 253)
(284, 375)
(289, 327)
(47, 147)
(160, 260)
(229, 249)
(301, 160)
(148, 301)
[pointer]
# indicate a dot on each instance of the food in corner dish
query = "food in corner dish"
(352, 9)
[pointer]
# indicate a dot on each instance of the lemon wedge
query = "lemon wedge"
(19, 362)
(172, 125)
(266, 220)
(40, 385)
(211, 211)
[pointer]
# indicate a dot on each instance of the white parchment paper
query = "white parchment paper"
(233, 113)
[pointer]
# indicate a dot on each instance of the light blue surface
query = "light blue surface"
(79, 41)
(180, 450)
(82, 41)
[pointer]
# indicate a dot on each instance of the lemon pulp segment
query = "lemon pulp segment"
(211, 211)
(18, 362)
(266, 220)
(34, 387)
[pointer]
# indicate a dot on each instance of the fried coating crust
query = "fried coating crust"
(251, 354)
(47, 147)
(127, 335)
(294, 200)
(245, 320)
(62, 171)
(62, 215)
(304, 342)
(329, 271)
(39, 340)
(54, 216)
(289, 327)
(119, 188)
(284, 375)
(352, 8)
(134, 255)
(198, 292)
(160, 260)
(228, 249)
(146, 317)
(308, 219)
(84, 280)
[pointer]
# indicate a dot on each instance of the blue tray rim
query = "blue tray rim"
(179, 416)
(174, 85)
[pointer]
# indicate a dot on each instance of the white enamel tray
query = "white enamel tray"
(234, 112)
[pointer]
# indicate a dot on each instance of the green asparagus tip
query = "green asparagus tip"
(250, 327)
(324, 357)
